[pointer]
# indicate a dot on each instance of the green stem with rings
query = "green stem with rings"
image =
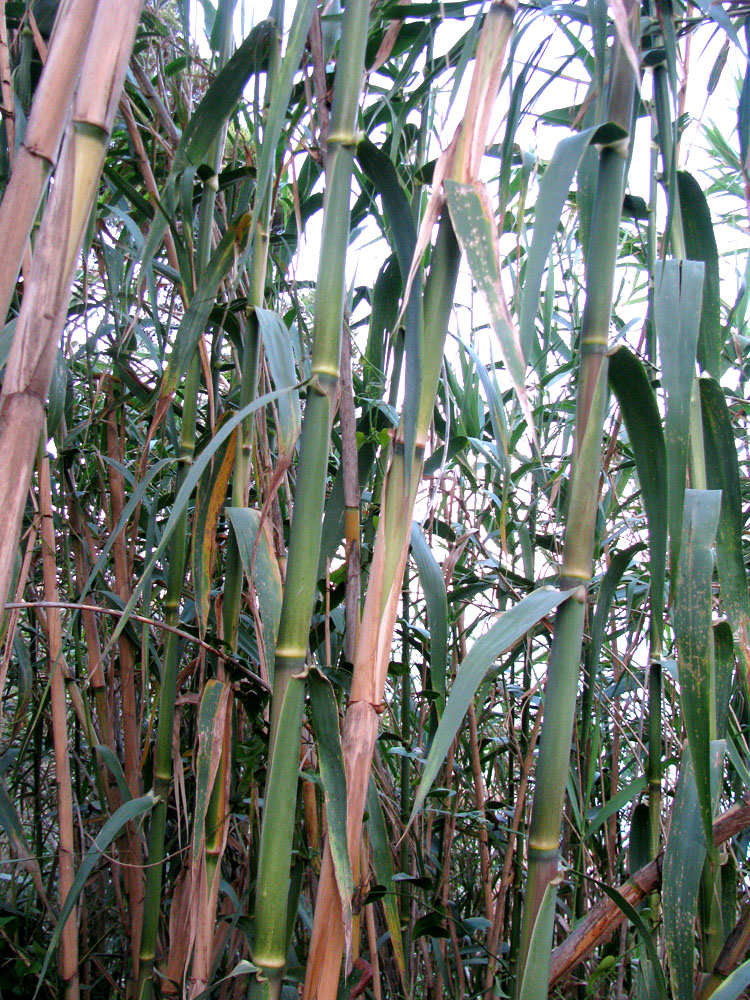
(565, 655)
(287, 703)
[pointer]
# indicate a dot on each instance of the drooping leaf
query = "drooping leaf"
(511, 627)
(112, 761)
(607, 590)
(644, 934)
(128, 812)
(722, 473)
(222, 95)
(475, 231)
(700, 244)
(640, 413)
(677, 308)
(553, 192)
(692, 623)
(189, 484)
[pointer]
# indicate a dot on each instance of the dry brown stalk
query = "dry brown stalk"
(45, 301)
(37, 154)
(606, 916)
(68, 955)
(134, 878)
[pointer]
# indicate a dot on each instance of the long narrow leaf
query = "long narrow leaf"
(510, 629)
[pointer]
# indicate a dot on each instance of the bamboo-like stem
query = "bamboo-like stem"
(375, 637)
(562, 682)
(45, 302)
(394, 528)
(304, 545)
(68, 958)
(347, 418)
(37, 154)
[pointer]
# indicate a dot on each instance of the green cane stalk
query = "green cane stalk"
(565, 655)
(402, 480)
(287, 701)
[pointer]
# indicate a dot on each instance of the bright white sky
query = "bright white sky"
(720, 108)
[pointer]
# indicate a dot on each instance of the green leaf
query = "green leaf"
(279, 106)
(195, 320)
(333, 519)
(333, 778)
(433, 585)
(692, 623)
(677, 304)
(181, 500)
(554, 189)
(724, 671)
(382, 174)
(112, 761)
(475, 230)
(683, 863)
(209, 499)
(722, 473)
(13, 830)
(700, 244)
(383, 865)
(640, 413)
(506, 632)
(261, 566)
(277, 344)
(535, 981)
(127, 813)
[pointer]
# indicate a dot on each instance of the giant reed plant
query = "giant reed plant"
(146, 618)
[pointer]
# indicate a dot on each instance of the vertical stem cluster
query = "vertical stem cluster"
(287, 702)
(391, 550)
(45, 301)
(564, 663)
(175, 580)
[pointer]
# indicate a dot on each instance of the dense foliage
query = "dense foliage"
(497, 524)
